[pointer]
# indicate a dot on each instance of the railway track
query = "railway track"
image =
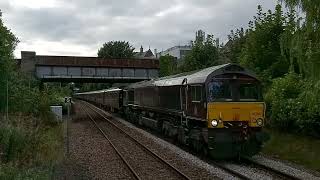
(117, 136)
(252, 171)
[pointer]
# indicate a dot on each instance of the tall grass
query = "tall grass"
(31, 140)
(29, 151)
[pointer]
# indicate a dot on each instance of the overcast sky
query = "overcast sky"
(80, 27)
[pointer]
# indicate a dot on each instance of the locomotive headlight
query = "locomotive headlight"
(214, 122)
(260, 122)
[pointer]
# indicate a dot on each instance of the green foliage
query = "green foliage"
(11, 172)
(294, 105)
(13, 141)
(8, 43)
(168, 65)
(281, 97)
(284, 51)
(237, 40)
(29, 151)
(116, 49)
(305, 42)
(26, 97)
(204, 53)
(261, 51)
(310, 101)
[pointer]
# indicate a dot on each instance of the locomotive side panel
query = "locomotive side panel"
(146, 97)
(112, 99)
(196, 101)
(170, 97)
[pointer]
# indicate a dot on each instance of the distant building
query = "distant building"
(178, 52)
(144, 55)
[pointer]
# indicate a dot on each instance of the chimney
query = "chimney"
(156, 53)
(217, 42)
(141, 49)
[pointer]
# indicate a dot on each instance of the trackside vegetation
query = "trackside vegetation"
(294, 148)
(31, 140)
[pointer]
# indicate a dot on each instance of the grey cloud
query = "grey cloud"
(90, 23)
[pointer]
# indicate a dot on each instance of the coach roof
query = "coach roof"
(100, 91)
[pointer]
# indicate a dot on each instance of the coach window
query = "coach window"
(196, 93)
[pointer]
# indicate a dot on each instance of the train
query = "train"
(217, 111)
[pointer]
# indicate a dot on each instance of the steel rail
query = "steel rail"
(275, 171)
(135, 174)
(230, 171)
(136, 141)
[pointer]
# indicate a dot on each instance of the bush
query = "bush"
(12, 172)
(310, 100)
(293, 105)
(282, 103)
(28, 151)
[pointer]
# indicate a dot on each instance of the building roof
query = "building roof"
(146, 54)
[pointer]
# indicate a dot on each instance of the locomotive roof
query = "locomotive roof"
(194, 77)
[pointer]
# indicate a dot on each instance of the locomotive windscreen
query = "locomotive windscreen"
(234, 90)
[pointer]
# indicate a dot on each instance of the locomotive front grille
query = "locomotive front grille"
(235, 124)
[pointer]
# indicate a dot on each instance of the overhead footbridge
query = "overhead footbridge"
(87, 69)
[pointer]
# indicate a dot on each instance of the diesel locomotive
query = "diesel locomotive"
(217, 111)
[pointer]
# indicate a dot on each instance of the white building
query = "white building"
(177, 51)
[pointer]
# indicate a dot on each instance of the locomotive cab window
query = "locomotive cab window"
(196, 93)
(249, 91)
(234, 90)
(220, 91)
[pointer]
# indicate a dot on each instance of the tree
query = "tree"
(204, 53)
(236, 40)
(168, 65)
(262, 49)
(116, 49)
(305, 41)
(8, 43)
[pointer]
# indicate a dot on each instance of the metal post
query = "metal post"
(7, 99)
(68, 108)
(68, 103)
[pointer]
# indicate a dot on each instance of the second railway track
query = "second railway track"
(140, 160)
(277, 172)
